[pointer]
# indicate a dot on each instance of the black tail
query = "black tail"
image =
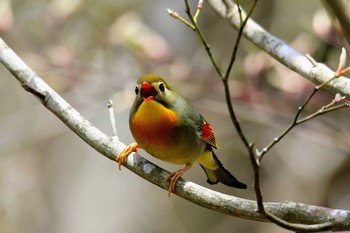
(222, 175)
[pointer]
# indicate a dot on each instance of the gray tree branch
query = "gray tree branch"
(111, 146)
(280, 51)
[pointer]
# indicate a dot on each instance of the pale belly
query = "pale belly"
(176, 153)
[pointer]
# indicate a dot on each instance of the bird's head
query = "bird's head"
(153, 87)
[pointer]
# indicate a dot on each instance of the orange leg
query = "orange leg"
(175, 176)
(125, 153)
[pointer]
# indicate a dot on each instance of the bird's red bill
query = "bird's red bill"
(147, 91)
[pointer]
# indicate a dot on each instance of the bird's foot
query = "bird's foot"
(125, 153)
(174, 176)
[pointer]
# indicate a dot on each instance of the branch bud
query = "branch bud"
(173, 14)
(200, 4)
(338, 98)
(342, 62)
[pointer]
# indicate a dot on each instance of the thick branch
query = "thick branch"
(279, 50)
(110, 146)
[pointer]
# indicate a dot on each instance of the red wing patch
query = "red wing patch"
(208, 135)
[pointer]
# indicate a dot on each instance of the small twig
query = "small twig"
(260, 154)
(296, 121)
(112, 118)
(201, 38)
(238, 39)
(194, 26)
(326, 83)
(225, 77)
(311, 59)
(199, 8)
(238, 4)
(324, 109)
(175, 15)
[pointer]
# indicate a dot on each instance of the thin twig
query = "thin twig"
(233, 116)
(238, 39)
(112, 118)
(260, 154)
(201, 38)
(296, 121)
(175, 15)
(324, 109)
(225, 77)
(238, 4)
(322, 112)
(199, 8)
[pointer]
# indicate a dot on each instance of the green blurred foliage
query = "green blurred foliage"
(93, 51)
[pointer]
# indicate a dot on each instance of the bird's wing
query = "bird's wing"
(204, 129)
(207, 133)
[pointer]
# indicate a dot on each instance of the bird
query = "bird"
(168, 127)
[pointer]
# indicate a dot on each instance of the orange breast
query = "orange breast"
(154, 126)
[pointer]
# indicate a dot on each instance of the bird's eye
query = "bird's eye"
(162, 87)
(136, 90)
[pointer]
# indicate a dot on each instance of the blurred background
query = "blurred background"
(93, 51)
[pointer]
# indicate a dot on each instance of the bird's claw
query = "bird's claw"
(175, 176)
(125, 153)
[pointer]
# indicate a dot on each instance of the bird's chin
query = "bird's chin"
(148, 98)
